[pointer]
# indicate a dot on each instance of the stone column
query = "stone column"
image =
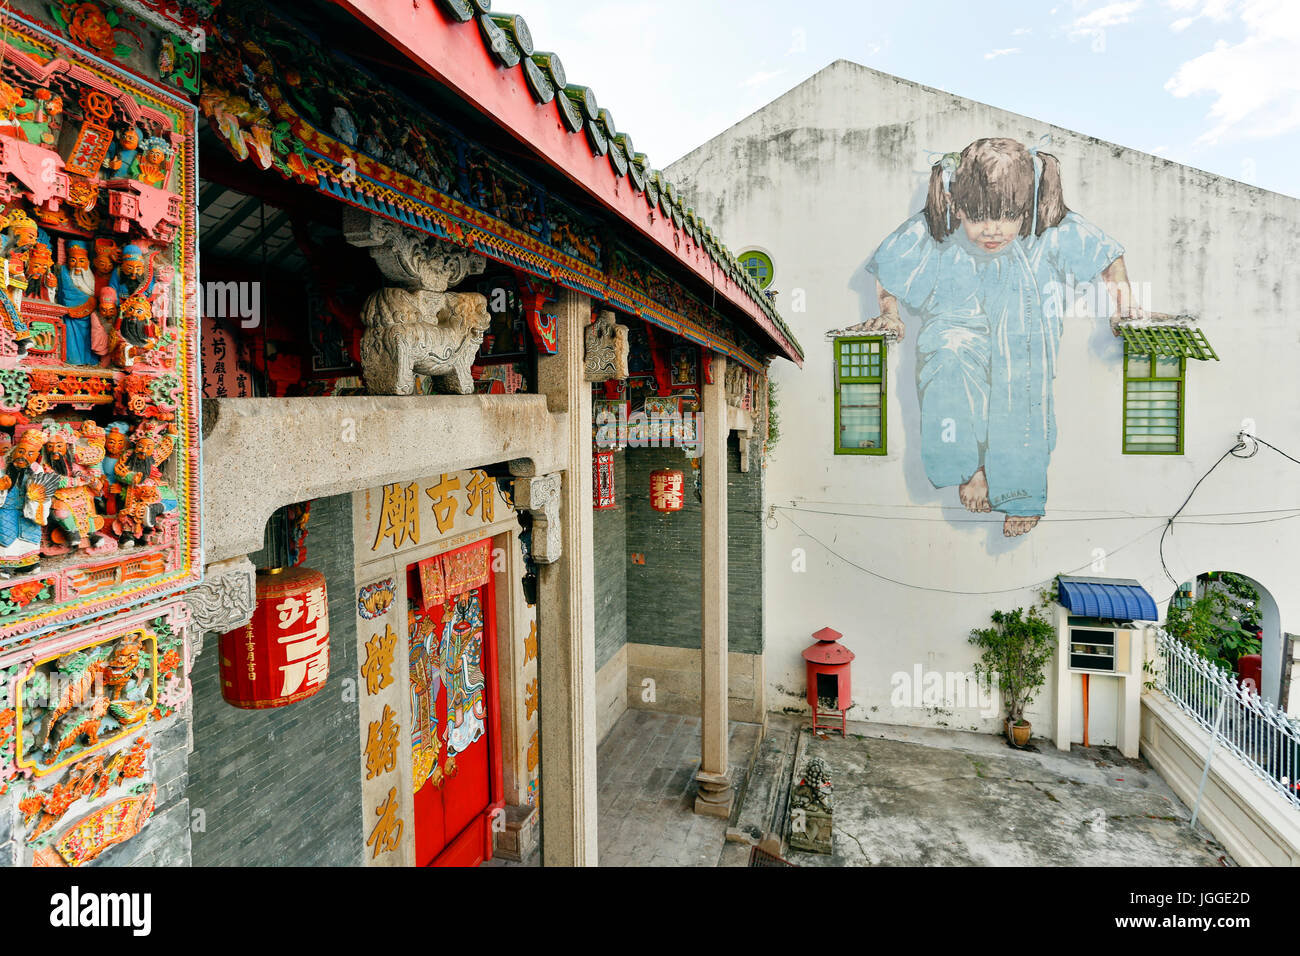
(715, 794)
(567, 613)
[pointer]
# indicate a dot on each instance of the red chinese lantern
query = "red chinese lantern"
(667, 490)
(283, 654)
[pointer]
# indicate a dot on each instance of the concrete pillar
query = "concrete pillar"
(715, 793)
(567, 614)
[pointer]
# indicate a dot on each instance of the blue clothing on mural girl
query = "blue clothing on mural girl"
(990, 298)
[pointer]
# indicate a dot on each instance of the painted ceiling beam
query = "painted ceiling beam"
(454, 54)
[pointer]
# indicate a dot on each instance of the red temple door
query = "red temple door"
(455, 733)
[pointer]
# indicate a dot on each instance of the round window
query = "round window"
(759, 266)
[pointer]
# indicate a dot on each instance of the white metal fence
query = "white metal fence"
(1265, 738)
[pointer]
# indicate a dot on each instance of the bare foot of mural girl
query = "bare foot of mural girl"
(1016, 525)
(974, 493)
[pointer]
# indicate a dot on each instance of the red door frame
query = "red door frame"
(454, 846)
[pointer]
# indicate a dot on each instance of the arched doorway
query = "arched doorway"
(1225, 615)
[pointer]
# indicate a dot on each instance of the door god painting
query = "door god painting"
(447, 683)
(982, 274)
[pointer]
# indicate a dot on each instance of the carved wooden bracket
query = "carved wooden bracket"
(606, 352)
(542, 320)
(407, 258)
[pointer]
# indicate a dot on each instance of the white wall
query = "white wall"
(818, 178)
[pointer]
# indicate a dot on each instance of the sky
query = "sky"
(1213, 84)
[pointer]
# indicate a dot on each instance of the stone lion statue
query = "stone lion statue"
(419, 332)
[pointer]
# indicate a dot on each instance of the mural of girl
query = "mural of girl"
(985, 268)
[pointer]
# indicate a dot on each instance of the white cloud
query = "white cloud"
(1111, 15)
(1254, 81)
(1159, 150)
(994, 54)
(1217, 10)
(1022, 31)
(759, 78)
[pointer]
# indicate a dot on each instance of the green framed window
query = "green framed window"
(860, 395)
(1154, 390)
(759, 267)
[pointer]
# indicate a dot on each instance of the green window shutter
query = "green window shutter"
(1154, 390)
(860, 417)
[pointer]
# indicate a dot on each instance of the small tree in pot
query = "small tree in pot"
(1015, 653)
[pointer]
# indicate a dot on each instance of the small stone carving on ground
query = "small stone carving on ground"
(811, 807)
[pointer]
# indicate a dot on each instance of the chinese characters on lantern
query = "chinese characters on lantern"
(667, 490)
(306, 647)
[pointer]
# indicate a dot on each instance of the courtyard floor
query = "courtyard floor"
(903, 796)
(914, 797)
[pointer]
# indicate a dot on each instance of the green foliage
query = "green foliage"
(1015, 653)
(773, 416)
(1222, 623)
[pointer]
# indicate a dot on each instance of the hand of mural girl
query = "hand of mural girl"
(888, 322)
(1123, 306)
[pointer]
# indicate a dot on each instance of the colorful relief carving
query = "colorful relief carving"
(102, 829)
(91, 778)
(288, 104)
(97, 240)
(82, 699)
(374, 600)
(981, 275)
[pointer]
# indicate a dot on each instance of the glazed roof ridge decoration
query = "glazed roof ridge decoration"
(281, 112)
(580, 115)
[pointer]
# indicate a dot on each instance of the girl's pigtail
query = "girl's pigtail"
(1051, 196)
(939, 214)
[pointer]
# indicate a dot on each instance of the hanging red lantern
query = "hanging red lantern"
(667, 490)
(283, 654)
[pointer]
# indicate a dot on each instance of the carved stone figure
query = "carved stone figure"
(736, 382)
(416, 326)
(606, 349)
(225, 599)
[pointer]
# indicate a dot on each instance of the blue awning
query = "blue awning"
(1113, 599)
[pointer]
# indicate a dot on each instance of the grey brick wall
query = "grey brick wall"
(663, 595)
(165, 840)
(610, 532)
(283, 786)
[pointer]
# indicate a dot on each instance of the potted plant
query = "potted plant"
(1015, 652)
